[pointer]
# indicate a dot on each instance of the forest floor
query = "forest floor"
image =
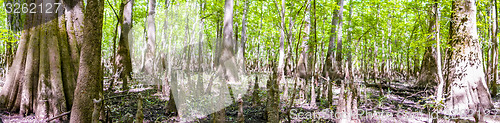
(399, 102)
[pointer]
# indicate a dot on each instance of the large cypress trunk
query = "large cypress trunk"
(428, 72)
(74, 25)
(43, 67)
(466, 83)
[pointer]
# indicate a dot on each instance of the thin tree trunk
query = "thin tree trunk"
(151, 39)
(199, 84)
(281, 60)
(439, 92)
(494, 49)
(302, 63)
(14, 21)
(289, 64)
(236, 31)
(241, 50)
(241, 57)
(347, 103)
(312, 54)
(350, 46)
(226, 60)
(273, 99)
(375, 57)
(89, 85)
(338, 55)
(123, 59)
(327, 69)
(167, 38)
(288, 60)
(387, 65)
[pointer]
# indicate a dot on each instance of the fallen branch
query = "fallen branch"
(412, 96)
(58, 116)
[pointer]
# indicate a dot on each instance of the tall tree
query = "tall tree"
(199, 84)
(226, 59)
(34, 75)
(281, 57)
(241, 49)
(123, 60)
(338, 55)
(466, 80)
(347, 104)
(241, 56)
(278, 75)
(438, 54)
(151, 39)
(89, 85)
(15, 25)
(494, 52)
(312, 53)
(327, 69)
(429, 69)
(302, 63)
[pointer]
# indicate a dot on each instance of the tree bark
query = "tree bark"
(349, 39)
(439, 93)
(74, 25)
(327, 69)
(34, 75)
(429, 71)
(226, 58)
(338, 55)
(199, 84)
(14, 21)
(123, 60)
(241, 57)
(89, 85)
(302, 63)
(241, 50)
(281, 60)
(166, 87)
(466, 80)
(273, 99)
(494, 53)
(151, 39)
(171, 106)
(312, 54)
(347, 104)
